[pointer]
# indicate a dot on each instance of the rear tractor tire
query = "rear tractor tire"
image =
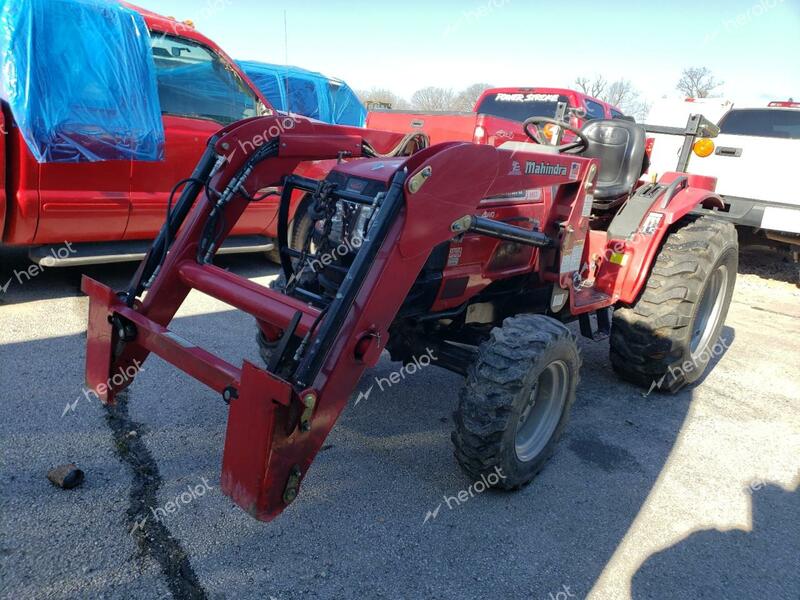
(668, 337)
(516, 401)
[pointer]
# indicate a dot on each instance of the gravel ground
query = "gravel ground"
(686, 496)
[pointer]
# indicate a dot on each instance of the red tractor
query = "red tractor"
(474, 255)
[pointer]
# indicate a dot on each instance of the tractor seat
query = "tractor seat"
(620, 147)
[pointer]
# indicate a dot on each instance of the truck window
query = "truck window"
(345, 105)
(762, 123)
(195, 82)
(270, 86)
(594, 110)
(518, 107)
(301, 96)
(615, 114)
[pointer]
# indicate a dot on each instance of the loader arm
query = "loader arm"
(279, 417)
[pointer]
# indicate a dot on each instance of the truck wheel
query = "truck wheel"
(668, 337)
(516, 400)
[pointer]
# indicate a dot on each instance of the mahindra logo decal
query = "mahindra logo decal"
(544, 168)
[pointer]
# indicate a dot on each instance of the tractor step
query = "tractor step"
(603, 330)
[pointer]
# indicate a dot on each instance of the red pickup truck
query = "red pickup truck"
(497, 117)
(108, 211)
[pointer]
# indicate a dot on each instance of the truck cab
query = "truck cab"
(119, 203)
(517, 104)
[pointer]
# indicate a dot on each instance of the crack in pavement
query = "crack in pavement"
(153, 537)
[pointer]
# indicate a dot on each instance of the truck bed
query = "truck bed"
(448, 126)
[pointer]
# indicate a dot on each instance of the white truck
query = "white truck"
(754, 158)
(751, 157)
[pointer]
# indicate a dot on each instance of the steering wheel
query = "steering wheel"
(575, 147)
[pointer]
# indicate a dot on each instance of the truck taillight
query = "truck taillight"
(788, 104)
(479, 137)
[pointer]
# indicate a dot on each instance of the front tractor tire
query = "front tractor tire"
(516, 400)
(299, 228)
(667, 338)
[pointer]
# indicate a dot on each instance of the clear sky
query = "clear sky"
(752, 45)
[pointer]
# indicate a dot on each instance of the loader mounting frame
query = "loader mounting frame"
(278, 422)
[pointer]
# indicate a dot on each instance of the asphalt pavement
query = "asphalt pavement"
(648, 496)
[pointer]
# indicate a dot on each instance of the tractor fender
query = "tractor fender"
(644, 246)
(699, 190)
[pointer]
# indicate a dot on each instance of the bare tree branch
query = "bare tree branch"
(620, 93)
(433, 98)
(592, 87)
(466, 100)
(698, 82)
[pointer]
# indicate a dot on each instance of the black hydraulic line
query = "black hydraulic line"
(339, 309)
(283, 226)
(210, 239)
(508, 233)
(178, 215)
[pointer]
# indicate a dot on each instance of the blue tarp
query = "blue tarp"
(205, 89)
(296, 90)
(79, 78)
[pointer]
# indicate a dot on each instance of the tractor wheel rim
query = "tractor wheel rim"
(541, 416)
(709, 311)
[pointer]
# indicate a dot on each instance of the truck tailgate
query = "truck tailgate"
(440, 127)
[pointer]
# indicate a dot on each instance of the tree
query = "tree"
(433, 98)
(698, 82)
(383, 96)
(592, 87)
(621, 93)
(467, 98)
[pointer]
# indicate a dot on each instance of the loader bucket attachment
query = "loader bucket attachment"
(251, 436)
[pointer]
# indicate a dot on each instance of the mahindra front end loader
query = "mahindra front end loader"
(478, 254)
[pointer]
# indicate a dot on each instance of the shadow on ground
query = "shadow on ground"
(717, 564)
